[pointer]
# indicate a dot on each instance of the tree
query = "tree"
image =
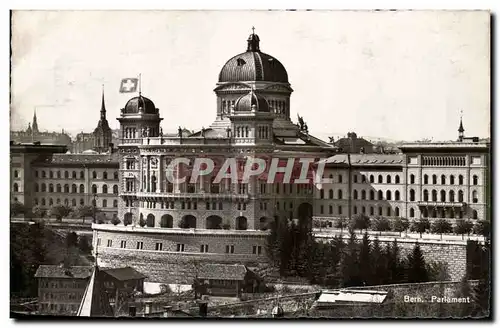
(360, 222)
(482, 227)
(420, 225)
(341, 224)
(379, 264)
(71, 239)
(349, 263)
(381, 224)
(400, 225)
(441, 226)
(395, 268)
(462, 227)
(114, 220)
(417, 270)
(17, 208)
(84, 211)
(365, 264)
(38, 211)
(84, 244)
(59, 211)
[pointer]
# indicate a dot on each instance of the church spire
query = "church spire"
(253, 41)
(103, 107)
(461, 129)
(35, 123)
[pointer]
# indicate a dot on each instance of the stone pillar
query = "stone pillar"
(161, 175)
(176, 177)
(148, 174)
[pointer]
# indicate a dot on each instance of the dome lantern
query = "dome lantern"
(253, 41)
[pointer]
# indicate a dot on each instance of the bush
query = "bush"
(381, 224)
(482, 227)
(463, 227)
(115, 220)
(400, 224)
(441, 226)
(420, 225)
(165, 289)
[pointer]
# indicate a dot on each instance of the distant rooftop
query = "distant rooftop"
(123, 274)
(365, 159)
(58, 271)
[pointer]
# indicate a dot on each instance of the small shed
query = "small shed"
(227, 279)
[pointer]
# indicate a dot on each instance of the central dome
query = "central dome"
(253, 65)
(140, 104)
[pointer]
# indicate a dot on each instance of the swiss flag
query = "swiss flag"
(129, 85)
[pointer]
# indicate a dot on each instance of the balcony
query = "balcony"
(441, 204)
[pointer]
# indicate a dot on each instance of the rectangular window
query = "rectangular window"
(230, 249)
(321, 209)
(123, 244)
(110, 243)
(257, 250)
(180, 247)
(220, 206)
(159, 246)
(203, 248)
(207, 205)
(140, 245)
(340, 210)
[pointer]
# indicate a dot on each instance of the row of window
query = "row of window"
(61, 284)
(362, 195)
(451, 196)
(50, 202)
(74, 188)
(433, 213)
(229, 249)
(63, 308)
(73, 296)
(58, 175)
(443, 179)
(443, 161)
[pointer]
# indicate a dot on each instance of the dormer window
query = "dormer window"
(240, 62)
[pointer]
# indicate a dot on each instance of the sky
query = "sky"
(402, 75)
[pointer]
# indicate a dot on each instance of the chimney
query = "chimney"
(203, 308)
(132, 310)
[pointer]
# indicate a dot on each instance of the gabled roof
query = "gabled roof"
(223, 271)
(95, 302)
(57, 271)
(123, 274)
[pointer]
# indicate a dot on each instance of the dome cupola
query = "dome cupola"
(140, 105)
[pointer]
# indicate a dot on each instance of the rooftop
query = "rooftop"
(123, 274)
(57, 271)
(365, 159)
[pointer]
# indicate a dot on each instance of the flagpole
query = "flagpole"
(140, 84)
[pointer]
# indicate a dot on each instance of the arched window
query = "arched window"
(82, 202)
(74, 188)
(73, 202)
(58, 201)
(372, 210)
(58, 187)
(105, 175)
(372, 195)
(434, 179)
(434, 195)
(339, 194)
(44, 174)
(363, 178)
(115, 189)
(322, 194)
(43, 201)
(73, 174)
(355, 194)
(44, 187)
(443, 179)
(51, 202)
(66, 202)
(51, 174)
(426, 195)
(380, 210)
(451, 196)
(388, 179)
(363, 194)
(115, 175)
(82, 175)
(388, 195)
(474, 196)
(380, 195)
(380, 179)
(59, 174)
(460, 179)
(82, 189)
(452, 179)
(66, 174)
(104, 189)
(396, 195)
(397, 179)
(355, 178)
(460, 196)
(66, 188)
(396, 211)
(16, 187)
(355, 209)
(51, 187)
(443, 195)
(94, 175)
(37, 188)
(94, 189)
(104, 203)
(412, 178)
(372, 178)
(412, 213)
(340, 178)
(426, 179)
(115, 203)
(412, 195)
(474, 214)
(475, 180)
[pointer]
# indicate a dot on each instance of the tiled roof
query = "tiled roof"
(366, 159)
(223, 271)
(83, 158)
(122, 274)
(56, 271)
